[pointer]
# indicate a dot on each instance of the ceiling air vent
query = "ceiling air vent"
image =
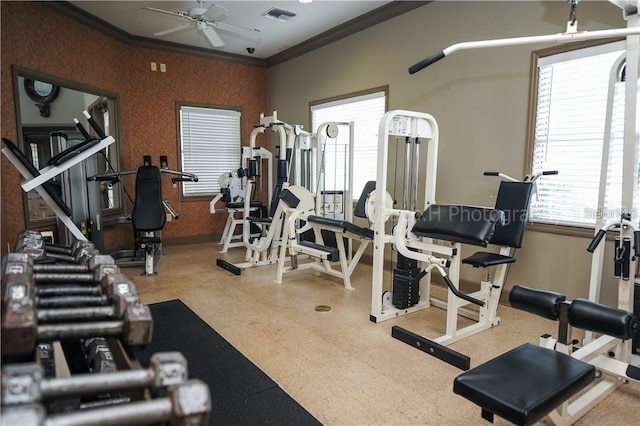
(278, 14)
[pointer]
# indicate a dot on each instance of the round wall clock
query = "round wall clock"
(40, 91)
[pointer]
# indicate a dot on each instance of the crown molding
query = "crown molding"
(376, 16)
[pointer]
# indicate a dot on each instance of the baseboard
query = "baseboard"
(191, 239)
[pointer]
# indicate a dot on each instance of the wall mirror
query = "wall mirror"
(45, 110)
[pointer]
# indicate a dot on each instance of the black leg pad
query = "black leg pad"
(524, 384)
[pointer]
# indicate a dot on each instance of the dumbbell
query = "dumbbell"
(117, 294)
(131, 321)
(55, 295)
(98, 355)
(25, 383)
(186, 404)
(34, 245)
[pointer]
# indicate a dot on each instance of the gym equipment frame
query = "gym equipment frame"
(306, 212)
(59, 164)
(263, 249)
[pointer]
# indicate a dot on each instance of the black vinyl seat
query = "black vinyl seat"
(524, 384)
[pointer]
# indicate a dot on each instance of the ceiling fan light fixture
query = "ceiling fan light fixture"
(278, 14)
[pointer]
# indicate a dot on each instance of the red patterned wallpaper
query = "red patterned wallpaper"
(37, 38)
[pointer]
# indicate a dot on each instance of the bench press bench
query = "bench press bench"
(529, 382)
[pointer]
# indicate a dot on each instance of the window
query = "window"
(578, 93)
(209, 146)
(365, 110)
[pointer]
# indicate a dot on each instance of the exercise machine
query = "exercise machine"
(41, 180)
(555, 380)
(233, 191)
(263, 249)
(149, 213)
(321, 226)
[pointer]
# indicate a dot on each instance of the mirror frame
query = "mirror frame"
(26, 73)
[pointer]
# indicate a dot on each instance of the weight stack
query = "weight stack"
(635, 345)
(406, 283)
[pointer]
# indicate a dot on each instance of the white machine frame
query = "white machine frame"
(401, 123)
(294, 215)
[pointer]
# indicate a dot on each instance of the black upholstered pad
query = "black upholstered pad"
(345, 226)
(333, 255)
(482, 259)
(544, 303)
(599, 318)
(463, 224)
(240, 204)
(361, 205)
(524, 384)
(148, 211)
(513, 199)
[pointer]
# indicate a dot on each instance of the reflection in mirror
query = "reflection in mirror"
(46, 109)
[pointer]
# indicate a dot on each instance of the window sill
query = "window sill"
(572, 231)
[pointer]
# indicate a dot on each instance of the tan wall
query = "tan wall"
(479, 98)
(37, 38)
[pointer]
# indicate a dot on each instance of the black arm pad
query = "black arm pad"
(543, 303)
(598, 318)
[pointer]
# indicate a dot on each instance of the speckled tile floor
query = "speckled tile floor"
(341, 367)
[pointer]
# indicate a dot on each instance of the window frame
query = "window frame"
(345, 96)
(179, 105)
(536, 55)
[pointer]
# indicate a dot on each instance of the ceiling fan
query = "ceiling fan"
(206, 19)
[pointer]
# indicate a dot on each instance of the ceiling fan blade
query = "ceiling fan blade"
(214, 12)
(173, 30)
(232, 28)
(167, 12)
(213, 37)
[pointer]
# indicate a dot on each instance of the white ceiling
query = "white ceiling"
(311, 20)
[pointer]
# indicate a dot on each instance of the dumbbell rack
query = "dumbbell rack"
(88, 312)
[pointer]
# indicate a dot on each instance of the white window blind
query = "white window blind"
(571, 113)
(210, 146)
(365, 111)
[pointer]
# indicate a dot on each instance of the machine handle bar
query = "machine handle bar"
(459, 294)
(527, 179)
(596, 240)
(426, 62)
(103, 178)
(184, 179)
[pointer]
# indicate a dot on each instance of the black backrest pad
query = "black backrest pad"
(48, 186)
(598, 318)
(148, 212)
(360, 210)
(513, 199)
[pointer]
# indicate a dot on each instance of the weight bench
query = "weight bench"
(529, 382)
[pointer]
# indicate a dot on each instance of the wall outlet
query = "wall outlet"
(163, 67)
(154, 66)
(169, 217)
